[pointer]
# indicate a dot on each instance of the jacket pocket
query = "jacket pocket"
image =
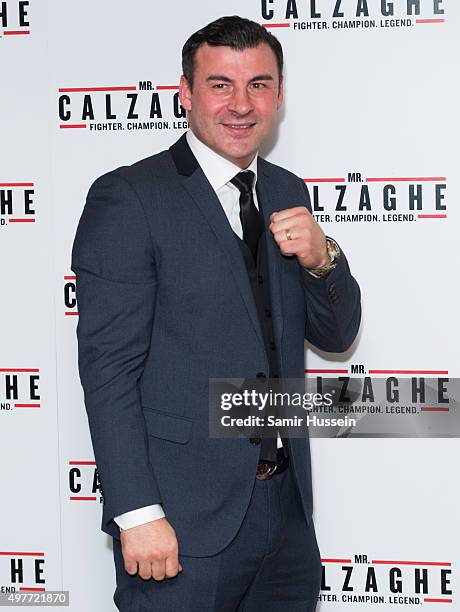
(167, 426)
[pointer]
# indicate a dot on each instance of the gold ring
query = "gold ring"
(288, 234)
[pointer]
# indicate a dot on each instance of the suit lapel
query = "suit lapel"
(270, 201)
(198, 188)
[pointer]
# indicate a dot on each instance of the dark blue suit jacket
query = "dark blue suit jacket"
(165, 304)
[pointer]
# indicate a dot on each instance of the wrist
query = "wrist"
(325, 261)
(330, 262)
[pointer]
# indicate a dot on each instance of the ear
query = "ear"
(280, 94)
(185, 93)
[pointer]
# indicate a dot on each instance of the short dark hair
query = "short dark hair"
(232, 31)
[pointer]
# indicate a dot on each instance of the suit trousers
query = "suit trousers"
(272, 564)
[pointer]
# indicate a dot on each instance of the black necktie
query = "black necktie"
(251, 218)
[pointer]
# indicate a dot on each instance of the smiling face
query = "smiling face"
(235, 99)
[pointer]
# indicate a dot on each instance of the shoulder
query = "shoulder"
(278, 173)
(287, 184)
(285, 181)
(147, 171)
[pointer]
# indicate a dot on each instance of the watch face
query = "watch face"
(332, 249)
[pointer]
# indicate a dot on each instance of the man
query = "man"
(200, 262)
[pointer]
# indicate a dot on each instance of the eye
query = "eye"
(257, 85)
(220, 85)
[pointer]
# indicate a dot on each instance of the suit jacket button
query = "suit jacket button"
(255, 440)
(261, 375)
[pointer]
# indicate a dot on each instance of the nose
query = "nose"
(240, 102)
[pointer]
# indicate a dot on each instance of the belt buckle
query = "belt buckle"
(265, 471)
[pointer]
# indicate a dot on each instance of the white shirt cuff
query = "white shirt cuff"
(140, 516)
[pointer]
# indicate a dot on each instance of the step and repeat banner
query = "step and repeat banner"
(371, 123)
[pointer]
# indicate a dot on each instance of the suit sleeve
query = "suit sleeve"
(333, 305)
(112, 257)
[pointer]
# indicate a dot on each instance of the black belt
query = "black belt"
(268, 469)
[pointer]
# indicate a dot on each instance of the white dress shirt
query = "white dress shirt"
(219, 171)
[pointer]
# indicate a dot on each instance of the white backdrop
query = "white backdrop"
(366, 93)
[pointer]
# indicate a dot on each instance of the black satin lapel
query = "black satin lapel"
(183, 158)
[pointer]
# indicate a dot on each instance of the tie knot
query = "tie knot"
(244, 181)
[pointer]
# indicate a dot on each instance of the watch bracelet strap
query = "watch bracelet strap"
(318, 272)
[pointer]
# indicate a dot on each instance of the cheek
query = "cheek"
(209, 107)
(268, 108)
(218, 109)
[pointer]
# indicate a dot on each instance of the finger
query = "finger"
(280, 215)
(288, 212)
(131, 566)
(172, 566)
(145, 570)
(290, 247)
(158, 569)
(297, 221)
(288, 224)
(296, 235)
(286, 221)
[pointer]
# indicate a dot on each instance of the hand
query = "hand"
(154, 547)
(308, 241)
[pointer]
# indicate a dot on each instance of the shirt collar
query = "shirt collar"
(216, 168)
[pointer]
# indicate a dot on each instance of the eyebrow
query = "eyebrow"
(221, 77)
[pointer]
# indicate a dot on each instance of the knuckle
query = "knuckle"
(173, 544)
(157, 555)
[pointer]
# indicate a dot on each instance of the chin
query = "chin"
(239, 151)
(240, 159)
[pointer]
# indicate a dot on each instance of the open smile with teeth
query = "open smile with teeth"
(238, 126)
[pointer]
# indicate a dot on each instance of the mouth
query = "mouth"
(238, 128)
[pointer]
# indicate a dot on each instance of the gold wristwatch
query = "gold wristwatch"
(333, 251)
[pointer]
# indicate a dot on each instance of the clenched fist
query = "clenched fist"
(153, 547)
(297, 233)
